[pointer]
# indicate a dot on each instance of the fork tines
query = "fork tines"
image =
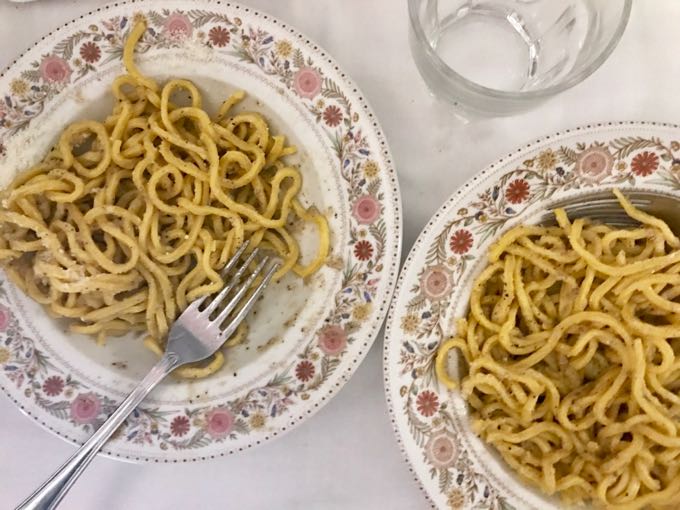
(223, 306)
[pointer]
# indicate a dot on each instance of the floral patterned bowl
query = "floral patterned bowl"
(452, 465)
(307, 338)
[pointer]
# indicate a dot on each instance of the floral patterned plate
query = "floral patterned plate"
(307, 338)
(453, 466)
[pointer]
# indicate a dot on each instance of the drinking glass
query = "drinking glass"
(500, 57)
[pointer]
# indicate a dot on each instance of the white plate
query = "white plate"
(453, 466)
(306, 339)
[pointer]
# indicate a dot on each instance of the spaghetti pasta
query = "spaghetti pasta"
(572, 347)
(126, 221)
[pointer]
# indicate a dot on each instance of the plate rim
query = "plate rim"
(389, 336)
(394, 200)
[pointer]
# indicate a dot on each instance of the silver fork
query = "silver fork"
(603, 207)
(194, 336)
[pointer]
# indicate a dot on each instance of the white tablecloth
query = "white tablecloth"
(346, 456)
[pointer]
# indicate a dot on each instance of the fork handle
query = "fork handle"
(51, 492)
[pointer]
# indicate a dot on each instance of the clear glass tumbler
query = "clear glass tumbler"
(500, 57)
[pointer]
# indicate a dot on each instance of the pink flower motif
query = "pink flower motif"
(366, 210)
(332, 340)
(55, 69)
(5, 317)
(594, 164)
(53, 386)
(178, 26)
(85, 408)
(436, 282)
(307, 82)
(441, 450)
(219, 422)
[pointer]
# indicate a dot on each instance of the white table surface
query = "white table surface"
(346, 456)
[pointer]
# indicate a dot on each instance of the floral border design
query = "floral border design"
(371, 256)
(439, 269)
